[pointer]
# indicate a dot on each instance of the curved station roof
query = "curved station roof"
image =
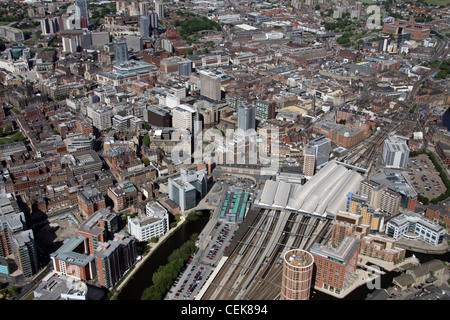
(326, 192)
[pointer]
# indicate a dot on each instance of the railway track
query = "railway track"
(254, 269)
(364, 154)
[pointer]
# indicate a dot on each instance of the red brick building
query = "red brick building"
(124, 195)
(443, 151)
(418, 31)
(439, 213)
(99, 228)
(335, 266)
(90, 200)
(73, 259)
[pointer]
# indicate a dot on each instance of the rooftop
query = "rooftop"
(341, 254)
(299, 258)
(324, 193)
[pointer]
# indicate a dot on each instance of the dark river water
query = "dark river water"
(446, 120)
(142, 279)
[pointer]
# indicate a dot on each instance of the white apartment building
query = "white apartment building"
(154, 224)
(101, 118)
(396, 152)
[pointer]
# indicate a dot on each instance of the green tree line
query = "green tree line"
(166, 275)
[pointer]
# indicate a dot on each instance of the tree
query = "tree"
(146, 141)
(8, 130)
(154, 240)
(146, 161)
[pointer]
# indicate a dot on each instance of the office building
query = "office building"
(322, 147)
(389, 191)
(265, 109)
(143, 8)
(412, 225)
(69, 44)
(184, 68)
(84, 162)
(396, 152)
(10, 224)
(90, 199)
(297, 275)
(384, 43)
(125, 73)
(49, 26)
(167, 45)
(417, 31)
(155, 222)
(186, 117)
(12, 34)
(210, 85)
(124, 123)
(158, 116)
(124, 195)
(81, 14)
(60, 287)
(15, 240)
(335, 266)
(402, 37)
(347, 137)
(134, 42)
(159, 8)
(101, 118)
(121, 52)
(169, 65)
(188, 189)
(144, 26)
(209, 113)
(4, 268)
(246, 118)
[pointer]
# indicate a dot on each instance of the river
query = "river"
(142, 279)
(446, 120)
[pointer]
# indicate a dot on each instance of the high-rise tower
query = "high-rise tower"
(81, 14)
(297, 275)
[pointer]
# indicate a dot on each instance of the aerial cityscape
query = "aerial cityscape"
(235, 150)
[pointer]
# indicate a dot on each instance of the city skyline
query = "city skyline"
(306, 142)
